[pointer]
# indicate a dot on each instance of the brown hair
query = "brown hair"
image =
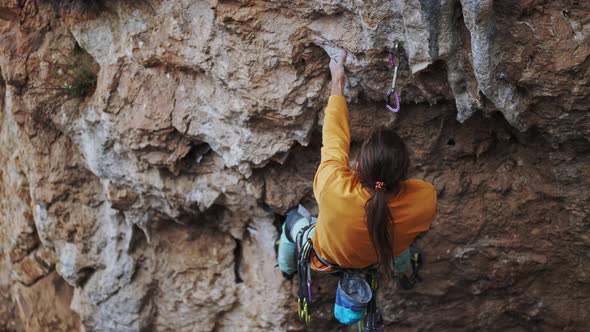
(383, 158)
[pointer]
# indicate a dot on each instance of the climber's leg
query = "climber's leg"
(402, 262)
(407, 265)
(287, 256)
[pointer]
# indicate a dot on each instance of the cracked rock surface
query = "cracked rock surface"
(149, 150)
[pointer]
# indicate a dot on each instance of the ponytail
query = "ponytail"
(379, 219)
(383, 165)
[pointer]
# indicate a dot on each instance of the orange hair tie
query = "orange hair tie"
(379, 185)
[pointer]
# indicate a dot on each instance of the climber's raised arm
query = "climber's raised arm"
(337, 73)
(336, 131)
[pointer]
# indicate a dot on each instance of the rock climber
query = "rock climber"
(370, 213)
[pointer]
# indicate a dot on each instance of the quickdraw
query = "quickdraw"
(373, 320)
(393, 90)
(304, 299)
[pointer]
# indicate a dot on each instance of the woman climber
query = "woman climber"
(368, 215)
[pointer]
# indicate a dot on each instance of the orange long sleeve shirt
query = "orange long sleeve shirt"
(341, 235)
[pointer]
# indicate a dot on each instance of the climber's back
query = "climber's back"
(358, 207)
(342, 235)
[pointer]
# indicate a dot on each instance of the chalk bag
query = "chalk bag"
(352, 296)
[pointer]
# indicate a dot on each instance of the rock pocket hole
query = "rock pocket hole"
(199, 155)
(238, 261)
(451, 142)
(84, 275)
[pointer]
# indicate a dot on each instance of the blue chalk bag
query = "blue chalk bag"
(352, 296)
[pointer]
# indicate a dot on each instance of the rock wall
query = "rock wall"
(150, 148)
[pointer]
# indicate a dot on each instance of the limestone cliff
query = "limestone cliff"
(149, 149)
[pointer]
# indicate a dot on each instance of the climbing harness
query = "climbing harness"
(370, 319)
(393, 90)
(370, 322)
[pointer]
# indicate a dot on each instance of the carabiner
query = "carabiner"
(361, 325)
(306, 314)
(389, 107)
(374, 284)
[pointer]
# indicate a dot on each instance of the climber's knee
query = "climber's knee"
(287, 255)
